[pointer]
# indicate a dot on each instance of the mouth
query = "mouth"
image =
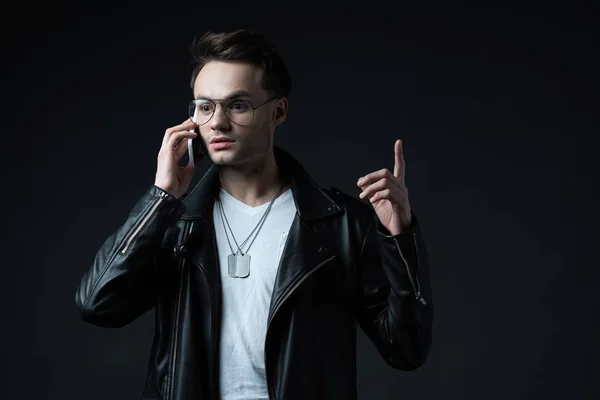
(220, 143)
(221, 139)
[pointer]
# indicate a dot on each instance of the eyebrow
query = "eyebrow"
(235, 95)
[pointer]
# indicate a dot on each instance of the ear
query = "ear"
(280, 111)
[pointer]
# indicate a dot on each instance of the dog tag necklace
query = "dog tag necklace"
(238, 262)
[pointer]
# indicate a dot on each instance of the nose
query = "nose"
(219, 120)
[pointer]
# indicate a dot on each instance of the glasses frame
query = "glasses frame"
(215, 102)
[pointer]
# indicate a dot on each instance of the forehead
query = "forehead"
(217, 79)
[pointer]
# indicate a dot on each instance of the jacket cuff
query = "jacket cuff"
(400, 256)
(383, 231)
(172, 207)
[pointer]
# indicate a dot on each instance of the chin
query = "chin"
(221, 159)
(236, 157)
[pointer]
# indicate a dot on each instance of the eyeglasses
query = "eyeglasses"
(240, 112)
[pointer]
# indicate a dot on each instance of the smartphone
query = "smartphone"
(195, 146)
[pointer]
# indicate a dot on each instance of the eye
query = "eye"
(205, 107)
(239, 106)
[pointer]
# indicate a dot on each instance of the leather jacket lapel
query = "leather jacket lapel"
(305, 251)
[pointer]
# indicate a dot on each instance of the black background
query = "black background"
(498, 114)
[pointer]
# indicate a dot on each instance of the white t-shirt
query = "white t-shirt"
(246, 300)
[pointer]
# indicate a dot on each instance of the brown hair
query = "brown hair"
(244, 47)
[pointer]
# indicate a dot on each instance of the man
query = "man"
(259, 277)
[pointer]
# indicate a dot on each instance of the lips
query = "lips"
(220, 139)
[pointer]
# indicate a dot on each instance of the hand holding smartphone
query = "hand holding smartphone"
(170, 176)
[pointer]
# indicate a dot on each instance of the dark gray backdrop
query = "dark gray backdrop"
(498, 116)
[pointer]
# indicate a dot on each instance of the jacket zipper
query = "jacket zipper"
(283, 299)
(416, 287)
(170, 389)
(133, 236)
(216, 304)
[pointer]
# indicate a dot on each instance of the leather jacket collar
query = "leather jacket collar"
(311, 202)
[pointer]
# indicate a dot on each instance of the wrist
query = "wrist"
(167, 190)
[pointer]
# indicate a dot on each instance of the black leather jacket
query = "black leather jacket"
(339, 267)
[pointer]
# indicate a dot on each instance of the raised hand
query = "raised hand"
(388, 194)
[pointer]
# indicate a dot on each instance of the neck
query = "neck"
(255, 184)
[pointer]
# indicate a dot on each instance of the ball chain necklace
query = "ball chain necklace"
(238, 262)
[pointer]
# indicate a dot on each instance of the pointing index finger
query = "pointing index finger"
(398, 159)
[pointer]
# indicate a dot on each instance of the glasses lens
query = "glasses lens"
(200, 111)
(240, 112)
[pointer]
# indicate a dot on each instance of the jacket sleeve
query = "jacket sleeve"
(121, 283)
(395, 307)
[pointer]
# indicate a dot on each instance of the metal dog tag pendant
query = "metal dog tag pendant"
(238, 265)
